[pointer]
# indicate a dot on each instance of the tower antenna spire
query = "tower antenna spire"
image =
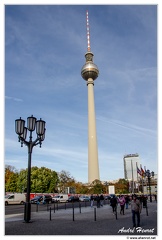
(88, 32)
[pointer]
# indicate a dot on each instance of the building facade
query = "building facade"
(131, 161)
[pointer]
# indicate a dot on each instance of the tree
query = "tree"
(8, 171)
(22, 181)
(122, 186)
(97, 187)
(11, 176)
(42, 180)
(65, 180)
(80, 188)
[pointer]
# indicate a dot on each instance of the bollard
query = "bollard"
(73, 212)
(54, 207)
(146, 210)
(80, 207)
(94, 214)
(36, 207)
(57, 206)
(65, 205)
(47, 206)
(116, 215)
(50, 213)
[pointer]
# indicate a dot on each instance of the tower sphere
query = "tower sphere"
(89, 70)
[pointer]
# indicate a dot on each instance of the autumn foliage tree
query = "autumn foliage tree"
(122, 186)
(42, 180)
(11, 177)
(46, 180)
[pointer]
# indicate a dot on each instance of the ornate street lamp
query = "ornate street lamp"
(21, 130)
(149, 175)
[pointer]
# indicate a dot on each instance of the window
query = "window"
(11, 197)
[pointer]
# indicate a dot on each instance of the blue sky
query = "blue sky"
(44, 54)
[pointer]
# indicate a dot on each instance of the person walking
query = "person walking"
(43, 200)
(136, 210)
(127, 201)
(92, 200)
(98, 201)
(122, 204)
(155, 197)
(101, 200)
(144, 200)
(113, 203)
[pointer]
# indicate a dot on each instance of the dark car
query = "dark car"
(36, 199)
(42, 198)
(47, 198)
(112, 195)
(73, 199)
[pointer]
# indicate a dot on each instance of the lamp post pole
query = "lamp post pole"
(28, 204)
(21, 130)
(149, 188)
(106, 184)
(149, 175)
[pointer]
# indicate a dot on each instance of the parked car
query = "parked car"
(56, 198)
(73, 199)
(112, 195)
(84, 199)
(46, 198)
(36, 199)
(60, 198)
(15, 198)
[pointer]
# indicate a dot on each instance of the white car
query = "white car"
(60, 198)
(15, 198)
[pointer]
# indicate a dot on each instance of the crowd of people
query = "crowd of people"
(134, 202)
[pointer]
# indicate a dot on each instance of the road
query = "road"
(84, 222)
(14, 209)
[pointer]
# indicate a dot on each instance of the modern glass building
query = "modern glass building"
(131, 161)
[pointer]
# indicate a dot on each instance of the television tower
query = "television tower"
(89, 73)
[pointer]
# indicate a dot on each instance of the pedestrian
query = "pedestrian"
(122, 204)
(155, 197)
(136, 210)
(43, 200)
(144, 200)
(127, 201)
(98, 200)
(101, 200)
(113, 203)
(92, 200)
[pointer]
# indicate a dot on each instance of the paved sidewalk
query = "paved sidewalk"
(63, 222)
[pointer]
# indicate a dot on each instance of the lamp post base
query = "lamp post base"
(27, 212)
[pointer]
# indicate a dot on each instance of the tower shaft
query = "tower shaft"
(89, 73)
(93, 166)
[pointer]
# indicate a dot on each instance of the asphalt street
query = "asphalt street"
(87, 221)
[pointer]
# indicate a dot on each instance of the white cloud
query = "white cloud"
(14, 99)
